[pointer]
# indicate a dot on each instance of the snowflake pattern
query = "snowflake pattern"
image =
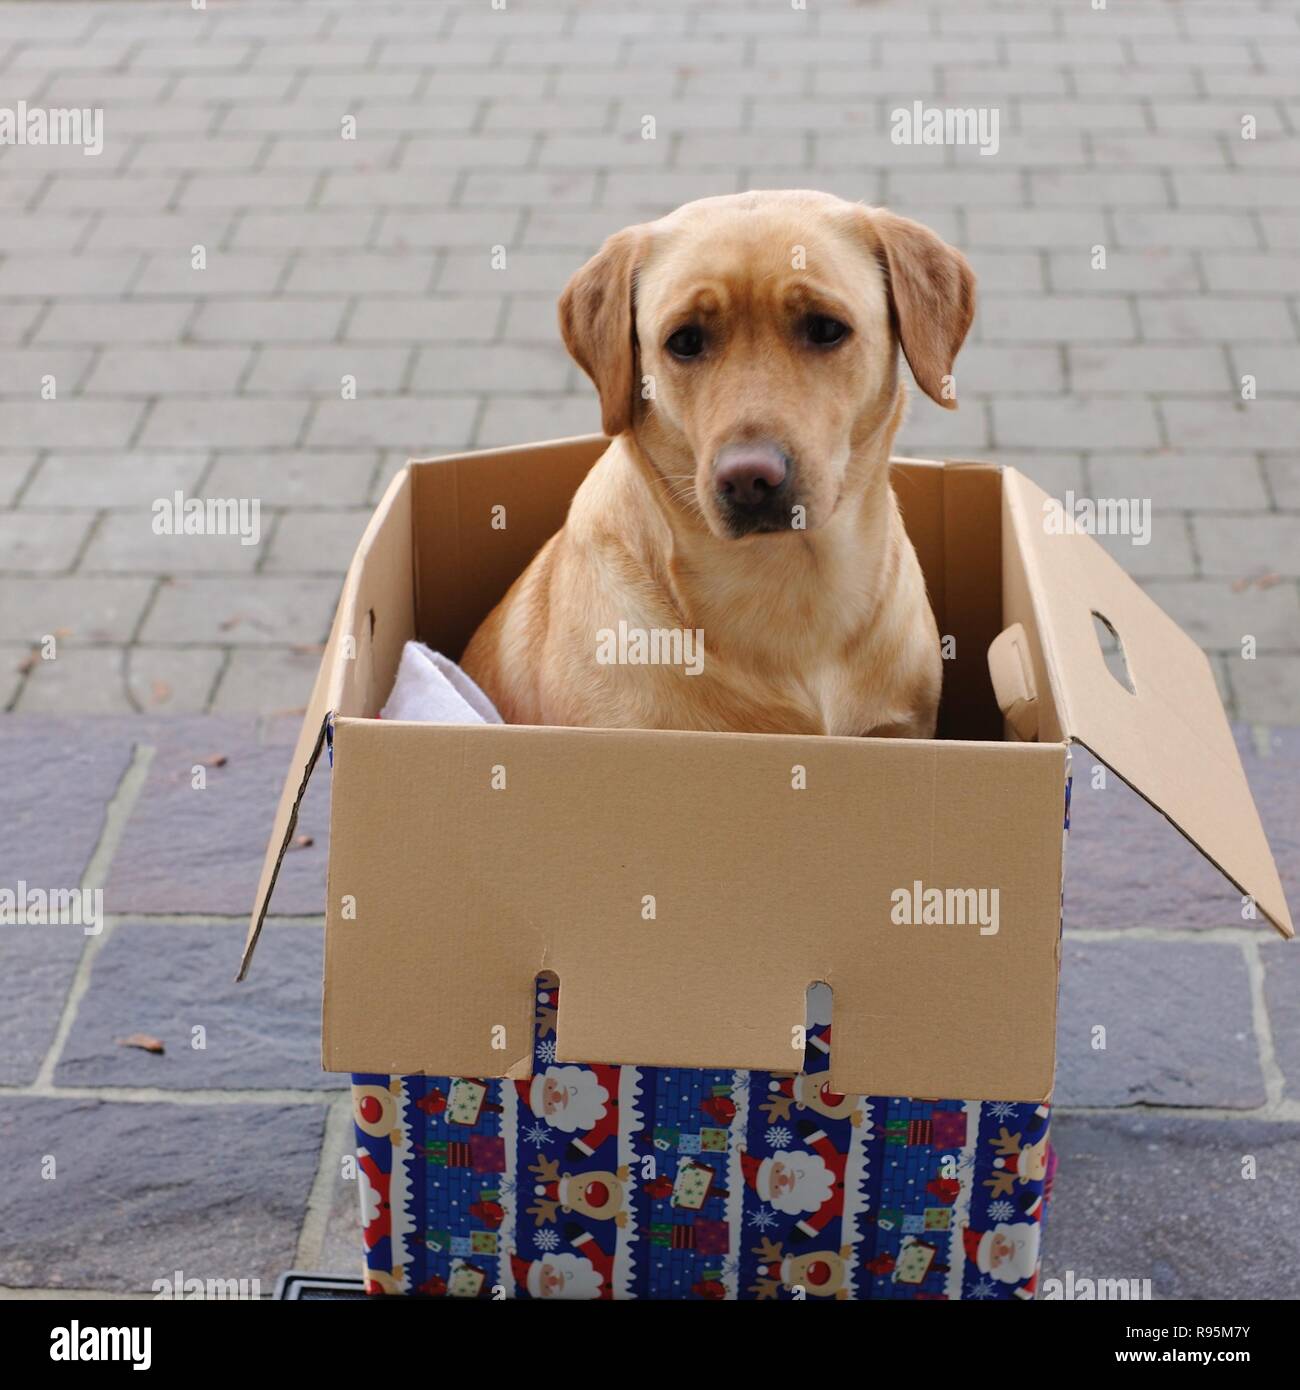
(984, 1289)
(1001, 1211)
(546, 1052)
(547, 1239)
(538, 1134)
(762, 1219)
(1002, 1110)
(778, 1137)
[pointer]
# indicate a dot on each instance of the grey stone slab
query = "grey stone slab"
(1148, 368)
(81, 680)
(1267, 689)
(15, 471)
(496, 367)
(101, 479)
(178, 371)
(419, 424)
(1181, 480)
(1272, 762)
(1167, 553)
(1235, 546)
(103, 609)
(1147, 270)
(173, 680)
(40, 542)
(167, 275)
(341, 1246)
(1282, 1000)
(74, 321)
(506, 419)
(168, 981)
(1215, 318)
(322, 370)
(259, 679)
(1076, 422)
(242, 610)
(467, 319)
(126, 543)
(200, 851)
(930, 432)
(1219, 613)
(56, 779)
(1156, 1023)
(316, 542)
(13, 673)
(37, 965)
(244, 423)
(143, 1190)
(1126, 866)
(291, 480)
(1163, 1198)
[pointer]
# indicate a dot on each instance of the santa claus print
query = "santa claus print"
(804, 1183)
(376, 1211)
(1007, 1253)
(561, 1275)
(582, 1101)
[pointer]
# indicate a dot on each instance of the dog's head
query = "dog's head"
(751, 341)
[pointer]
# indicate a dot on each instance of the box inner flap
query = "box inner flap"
(479, 519)
(687, 893)
(1168, 737)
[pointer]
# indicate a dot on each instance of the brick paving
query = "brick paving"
(520, 128)
(225, 1160)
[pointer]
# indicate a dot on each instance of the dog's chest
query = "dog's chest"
(839, 701)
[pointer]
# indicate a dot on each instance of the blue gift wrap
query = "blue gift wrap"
(594, 1181)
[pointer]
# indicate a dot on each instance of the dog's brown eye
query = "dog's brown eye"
(824, 331)
(686, 342)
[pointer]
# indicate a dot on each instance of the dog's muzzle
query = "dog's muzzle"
(752, 484)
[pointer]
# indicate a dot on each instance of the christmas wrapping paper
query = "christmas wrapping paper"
(592, 1181)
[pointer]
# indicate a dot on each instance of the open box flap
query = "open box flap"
(1168, 737)
(374, 612)
(306, 753)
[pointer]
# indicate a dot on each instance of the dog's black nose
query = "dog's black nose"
(749, 479)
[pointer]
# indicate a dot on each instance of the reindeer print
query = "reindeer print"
(819, 1273)
(1016, 1163)
(598, 1195)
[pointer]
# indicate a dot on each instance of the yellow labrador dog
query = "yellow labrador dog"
(735, 560)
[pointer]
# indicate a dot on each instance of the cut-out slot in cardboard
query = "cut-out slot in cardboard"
(1112, 651)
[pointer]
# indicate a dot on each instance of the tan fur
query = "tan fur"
(823, 630)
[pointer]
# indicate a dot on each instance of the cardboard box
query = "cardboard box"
(688, 887)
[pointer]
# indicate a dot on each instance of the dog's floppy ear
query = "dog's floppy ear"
(598, 327)
(932, 292)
